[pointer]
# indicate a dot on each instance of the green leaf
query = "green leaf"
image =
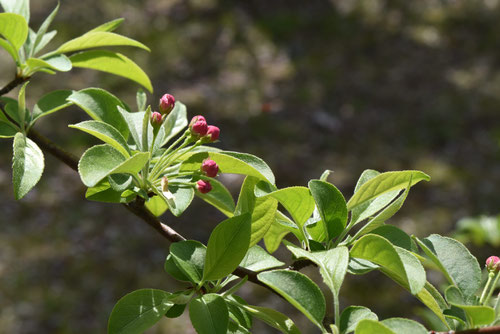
(219, 197)
(103, 192)
(173, 270)
(331, 206)
(173, 124)
(134, 124)
(368, 326)
(114, 63)
(227, 246)
(141, 99)
(360, 266)
(209, 314)
(273, 318)
(7, 130)
(231, 162)
(257, 259)
(395, 262)
(21, 7)
(21, 107)
(189, 257)
(352, 315)
(101, 106)
(263, 210)
(50, 103)
(182, 199)
(397, 237)
(404, 326)
(47, 37)
(14, 28)
(139, 310)
(59, 63)
(476, 315)
(106, 133)
(28, 164)
(455, 261)
(384, 183)
(431, 298)
(102, 160)
(299, 291)
(109, 26)
(332, 264)
(296, 200)
(156, 205)
(10, 49)
(96, 39)
(42, 30)
(278, 230)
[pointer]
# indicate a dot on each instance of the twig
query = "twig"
(490, 330)
(13, 84)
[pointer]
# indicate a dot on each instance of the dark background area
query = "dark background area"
(306, 85)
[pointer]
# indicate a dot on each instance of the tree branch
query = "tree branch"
(13, 84)
(489, 330)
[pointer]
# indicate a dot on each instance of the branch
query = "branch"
(490, 330)
(13, 84)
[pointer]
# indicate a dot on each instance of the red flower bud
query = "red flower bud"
(203, 186)
(167, 103)
(493, 263)
(209, 168)
(213, 133)
(198, 126)
(156, 120)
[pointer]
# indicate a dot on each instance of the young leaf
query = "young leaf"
(141, 99)
(299, 291)
(7, 129)
(227, 246)
(384, 183)
(10, 49)
(189, 257)
(139, 310)
(278, 230)
(28, 164)
(59, 63)
(231, 162)
(103, 192)
(431, 298)
(352, 315)
(331, 206)
(182, 198)
(50, 103)
(21, 107)
(273, 318)
(219, 197)
(156, 205)
(455, 261)
(476, 315)
(257, 259)
(14, 28)
(114, 63)
(20, 7)
(95, 39)
(106, 133)
(109, 26)
(47, 37)
(368, 326)
(404, 326)
(101, 106)
(173, 124)
(102, 160)
(396, 236)
(209, 314)
(395, 262)
(43, 29)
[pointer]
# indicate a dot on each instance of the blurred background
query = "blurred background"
(344, 85)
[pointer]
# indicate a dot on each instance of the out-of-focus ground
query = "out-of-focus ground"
(307, 86)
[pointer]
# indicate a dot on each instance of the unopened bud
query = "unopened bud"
(167, 103)
(493, 263)
(164, 184)
(156, 120)
(209, 168)
(198, 126)
(212, 133)
(203, 186)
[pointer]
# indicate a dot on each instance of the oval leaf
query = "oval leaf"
(273, 318)
(352, 315)
(368, 326)
(404, 326)
(299, 291)
(28, 164)
(227, 246)
(50, 103)
(219, 197)
(59, 63)
(209, 314)
(14, 28)
(189, 257)
(95, 39)
(138, 311)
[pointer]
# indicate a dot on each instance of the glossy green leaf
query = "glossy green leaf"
(368, 326)
(139, 310)
(109, 26)
(332, 264)
(299, 291)
(396, 236)
(227, 246)
(106, 133)
(20, 7)
(404, 326)
(278, 230)
(189, 257)
(231, 162)
(384, 183)
(14, 29)
(176, 311)
(263, 210)
(59, 63)
(273, 318)
(331, 206)
(50, 103)
(209, 314)
(395, 262)
(42, 30)
(296, 200)
(114, 63)
(156, 205)
(28, 164)
(455, 261)
(102, 160)
(101, 106)
(219, 197)
(95, 39)
(175, 122)
(257, 259)
(7, 130)
(352, 315)
(10, 49)
(173, 270)
(237, 313)
(102, 192)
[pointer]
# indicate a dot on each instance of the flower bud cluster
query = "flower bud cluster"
(200, 129)
(166, 105)
(208, 168)
(493, 264)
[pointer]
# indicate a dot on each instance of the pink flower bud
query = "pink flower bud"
(493, 263)
(198, 126)
(167, 103)
(156, 120)
(213, 133)
(209, 168)
(203, 186)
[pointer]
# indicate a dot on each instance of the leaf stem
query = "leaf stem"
(492, 288)
(486, 288)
